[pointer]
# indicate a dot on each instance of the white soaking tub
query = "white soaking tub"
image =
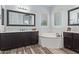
(50, 40)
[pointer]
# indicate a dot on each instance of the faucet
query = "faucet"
(21, 30)
(57, 34)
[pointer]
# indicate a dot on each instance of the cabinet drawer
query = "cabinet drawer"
(76, 35)
(65, 34)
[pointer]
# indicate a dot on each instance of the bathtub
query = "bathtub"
(50, 40)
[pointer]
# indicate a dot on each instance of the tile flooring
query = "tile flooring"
(37, 49)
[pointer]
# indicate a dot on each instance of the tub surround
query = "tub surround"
(50, 35)
(50, 40)
(12, 40)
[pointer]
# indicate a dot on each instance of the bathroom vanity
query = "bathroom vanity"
(18, 39)
(10, 40)
(71, 41)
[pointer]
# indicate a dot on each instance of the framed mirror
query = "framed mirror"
(73, 17)
(16, 18)
(2, 16)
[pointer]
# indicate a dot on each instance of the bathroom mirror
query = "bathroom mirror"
(73, 17)
(57, 19)
(16, 18)
(2, 16)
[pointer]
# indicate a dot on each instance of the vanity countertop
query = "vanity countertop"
(18, 31)
(72, 31)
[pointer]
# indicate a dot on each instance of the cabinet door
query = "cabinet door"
(68, 43)
(18, 41)
(34, 37)
(7, 40)
(0, 41)
(68, 40)
(76, 42)
(76, 45)
(26, 37)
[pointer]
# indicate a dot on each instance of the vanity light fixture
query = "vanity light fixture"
(23, 8)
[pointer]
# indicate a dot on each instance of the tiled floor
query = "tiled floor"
(36, 49)
(62, 51)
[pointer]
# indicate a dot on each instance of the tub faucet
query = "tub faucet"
(57, 34)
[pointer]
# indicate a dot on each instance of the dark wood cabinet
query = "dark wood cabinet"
(68, 42)
(33, 38)
(76, 41)
(71, 41)
(18, 39)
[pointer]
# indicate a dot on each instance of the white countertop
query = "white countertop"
(72, 31)
(17, 31)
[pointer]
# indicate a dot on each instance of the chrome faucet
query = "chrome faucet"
(57, 34)
(22, 30)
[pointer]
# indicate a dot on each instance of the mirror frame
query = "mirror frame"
(69, 17)
(2, 13)
(21, 13)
